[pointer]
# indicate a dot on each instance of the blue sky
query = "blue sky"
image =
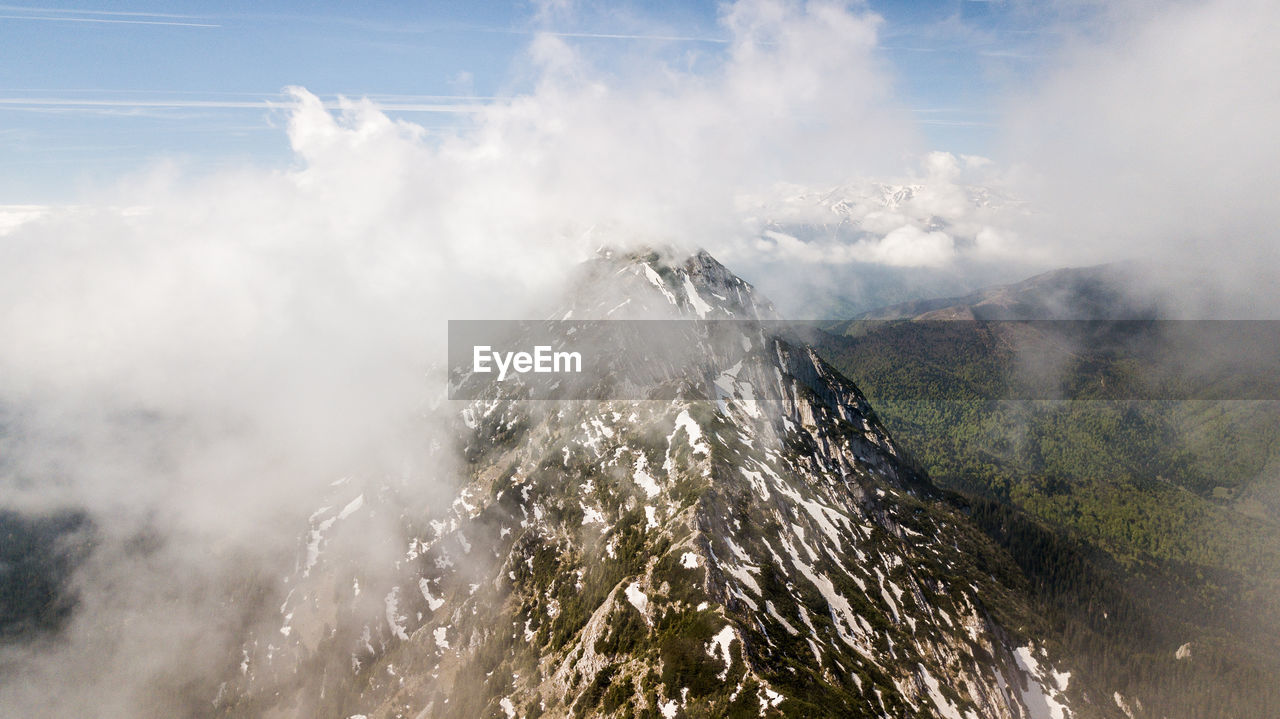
(89, 91)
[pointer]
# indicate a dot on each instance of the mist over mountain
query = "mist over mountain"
(233, 482)
(1106, 292)
(717, 554)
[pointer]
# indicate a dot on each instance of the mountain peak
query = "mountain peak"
(712, 555)
(662, 283)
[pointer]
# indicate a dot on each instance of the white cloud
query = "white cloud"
(1147, 136)
(206, 363)
(904, 246)
(1154, 139)
(942, 215)
(279, 325)
(909, 246)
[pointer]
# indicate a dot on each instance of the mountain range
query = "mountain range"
(790, 530)
(715, 555)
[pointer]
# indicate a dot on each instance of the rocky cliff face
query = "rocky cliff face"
(718, 554)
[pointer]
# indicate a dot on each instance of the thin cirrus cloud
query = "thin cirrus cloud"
(425, 103)
(104, 17)
(85, 11)
(657, 37)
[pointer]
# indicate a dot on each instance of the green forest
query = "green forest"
(1142, 525)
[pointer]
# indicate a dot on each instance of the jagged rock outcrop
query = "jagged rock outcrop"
(757, 546)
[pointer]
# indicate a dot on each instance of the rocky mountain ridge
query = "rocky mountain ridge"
(717, 555)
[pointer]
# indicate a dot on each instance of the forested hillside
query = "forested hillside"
(1147, 526)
